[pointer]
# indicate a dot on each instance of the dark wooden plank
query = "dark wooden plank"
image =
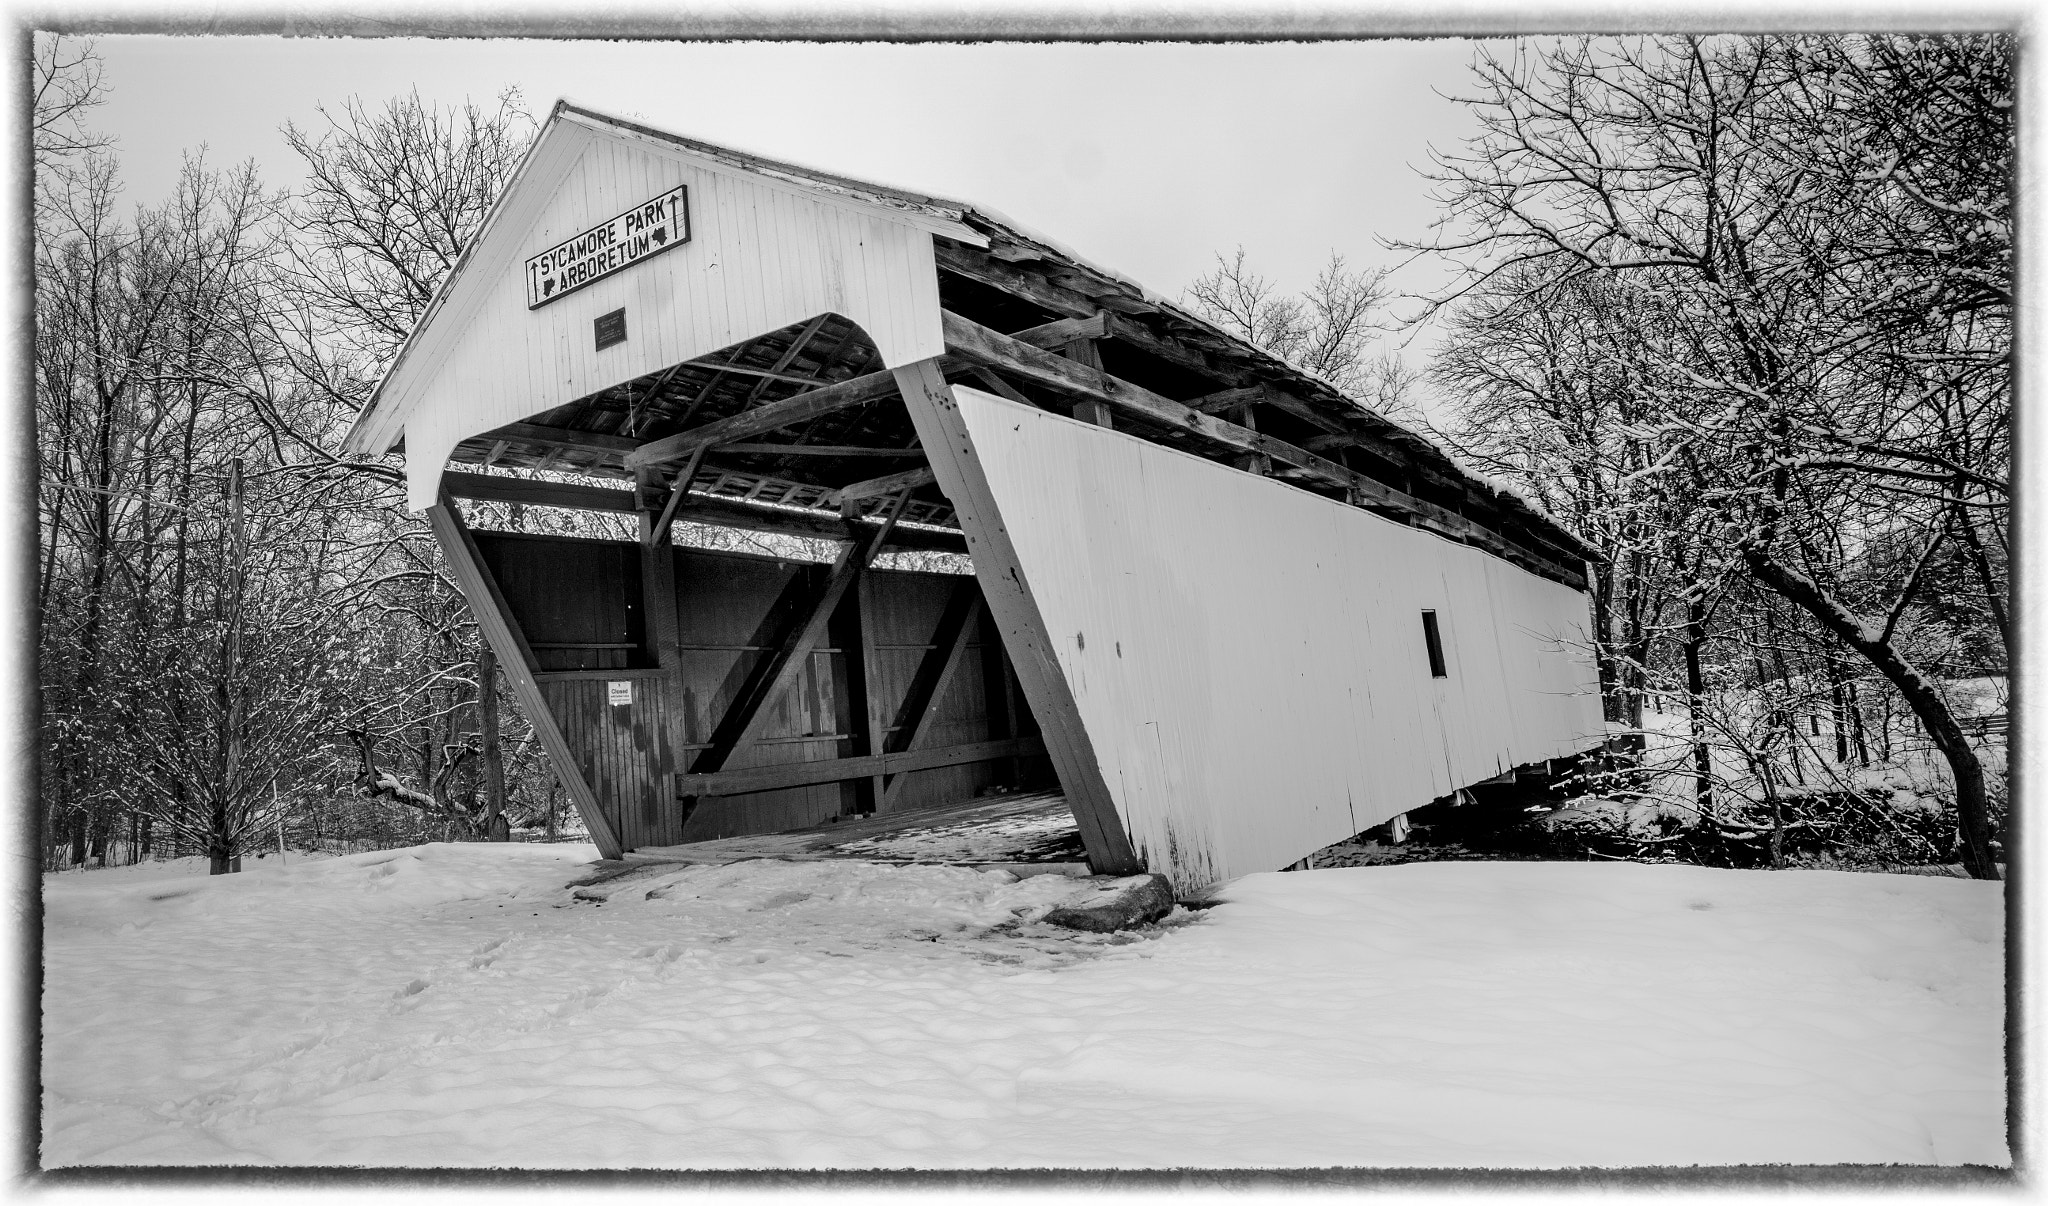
(816, 450)
(1084, 353)
(486, 487)
(998, 386)
(1226, 400)
(1064, 331)
(801, 774)
(744, 371)
(734, 514)
(678, 490)
(697, 508)
(771, 416)
(876, 487)
(867, 710)
(935, 671)
(743, 722)
(787, 358)
(563, 437)
(658, 592)
(516, 660)
(946, 440)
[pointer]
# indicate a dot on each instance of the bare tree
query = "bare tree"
(1815, 391)
(392, 195)
(1331, 329)
(65, 84)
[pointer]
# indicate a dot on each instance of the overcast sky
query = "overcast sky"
(1147, 159)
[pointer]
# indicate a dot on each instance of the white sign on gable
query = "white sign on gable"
(640, 233)
(617, 692)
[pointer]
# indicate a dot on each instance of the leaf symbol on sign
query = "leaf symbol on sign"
(660, 236)
(547, 287)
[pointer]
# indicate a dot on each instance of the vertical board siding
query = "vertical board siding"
(723, 608)
(625, 753)
(567, 592)
(904, 610)
(728, 605)
(762, 255)
(1248, 658)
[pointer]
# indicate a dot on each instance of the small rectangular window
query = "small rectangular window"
(1435, 641)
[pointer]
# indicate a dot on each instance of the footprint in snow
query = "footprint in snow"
(485, 955)
(412, 989)
(781, 899)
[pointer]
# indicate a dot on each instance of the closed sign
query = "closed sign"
(619, 693)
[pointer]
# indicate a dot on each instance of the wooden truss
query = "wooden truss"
(783, 434)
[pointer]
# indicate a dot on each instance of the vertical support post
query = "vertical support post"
(874, 728)
(1088, 410)
(935, 674)
(1251, 462)
(658, 600)
(852, 711)
(999, 689)
(487, 604)
(944, 435)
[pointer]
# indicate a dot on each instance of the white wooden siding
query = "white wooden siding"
(763, 254)
(1249, 658)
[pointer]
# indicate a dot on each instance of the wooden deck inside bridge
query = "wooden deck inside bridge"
(1029, 833)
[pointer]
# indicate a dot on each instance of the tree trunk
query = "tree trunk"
(1856, 729)
(1788, 716)
(230, 702)
(1994, 597)
(1973, 810)
(1696, 695)
(1613, 707)
(222, 860)
(1838, 695)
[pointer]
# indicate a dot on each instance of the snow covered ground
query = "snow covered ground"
(454, 1005)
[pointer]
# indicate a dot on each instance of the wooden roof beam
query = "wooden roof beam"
(697, 508)
(1366, 430)
(1224, 401)
(770, 416)
(1064, 331)
(975, 343)
(745, 371)
(875, 487)
(594, 443)
(737, 449)
(787, 358)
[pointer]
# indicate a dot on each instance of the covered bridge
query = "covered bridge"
(1231, 613)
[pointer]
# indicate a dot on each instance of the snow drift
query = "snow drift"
(456, 1006)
